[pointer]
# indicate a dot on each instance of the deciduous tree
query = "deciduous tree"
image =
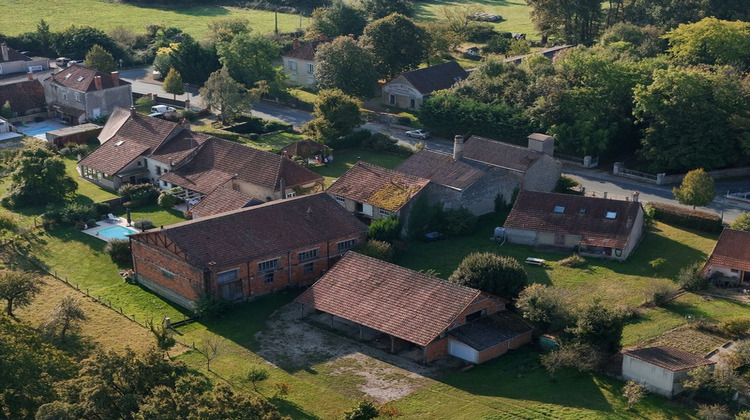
(249, 59)
(336, 114)
(173, 83)
(696, 189)
(580, 356)
(634, 393)
(397, 43)
(742, 222)
(377, 9)
(711, 41)
(194, 62)
(340, 18)
(345, 65)
(575, 21)
(18, 288)
(66, 317)
(224, 30)
(492, 273)
(76, 41)
(39, 177)
(100, 59)
(545, 306)
(221, 92)
(598, 326)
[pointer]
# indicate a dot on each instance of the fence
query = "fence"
(605, 194)
(663, 178)
(619, 170)
(740, 196)
(586, 161)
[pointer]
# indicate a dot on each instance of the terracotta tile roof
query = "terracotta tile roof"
(306, 51)
(23, 96)
(380, 187)
(497, 153)
(731, 251)
(441, 76)
(179, 147)
(82, 79)
(304, 148)
(491, 330)
(129, 136)
(386, 297)
(266, 230)
(14, 55)
(440, 168)
(219, 160)
(584, 216)
(669, 358)
(222, 200)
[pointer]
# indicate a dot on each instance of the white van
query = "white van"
(160, 109)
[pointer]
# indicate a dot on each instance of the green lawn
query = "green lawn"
(345, 159)
(515, 13)
(23, 15)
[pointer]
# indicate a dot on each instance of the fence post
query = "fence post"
(660, 178)
(617, 168)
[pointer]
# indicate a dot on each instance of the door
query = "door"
(367, 209)
(462, 351)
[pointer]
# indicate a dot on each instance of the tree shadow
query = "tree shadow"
(199, 11)
(291, 409)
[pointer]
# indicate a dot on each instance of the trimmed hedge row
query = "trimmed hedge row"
(694, 219)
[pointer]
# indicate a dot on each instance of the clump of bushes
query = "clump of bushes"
(574, 261)
(143, 224)
(368, 140)
(735, 327)
(76, 212)
(119, 251)
(694, 219)
(567, 185)
(377, 249)
(167, 200)
(387, 229)
(425, 218)
(691, 279)
(139, 194)
(658, 294)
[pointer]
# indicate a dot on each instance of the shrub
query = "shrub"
(491, 273)
(51, 218)
(101, 209)
(458, 222)
(91, 222)
(657, 294)
(567, 185)
(657, 263)
(166, 200)
(377, 249)
(76, 212)
(387, 229)
(735, 327)
(209, 306)
(189, 115)
(714, 412)
(574, 261)
(380, 142)
(253, 136)
(144, 102)
(143, 224)
(119, 251)
(694, 219)
(138, 191)
(350, 141)
(691, 279)
(480, 32)
(742, 222)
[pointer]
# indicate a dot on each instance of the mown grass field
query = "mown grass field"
(23, 15)
(515, 13)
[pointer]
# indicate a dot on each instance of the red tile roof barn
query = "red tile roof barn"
(731, 251)
(384, 188)
(583, 216)
(391, 299)
(440, 168)
(669, 358)
(265, 230)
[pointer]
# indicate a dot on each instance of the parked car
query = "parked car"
(75, 63)
(62, 62)
(161, 109)
(418, 134)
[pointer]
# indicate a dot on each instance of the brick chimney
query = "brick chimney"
(30, 76)
(4, 48)
(132, 111)
(458, 147)
(115, 78)
(98, 82)
(295, 43)
(282, 187)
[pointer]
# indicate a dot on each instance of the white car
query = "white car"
(419, 134)
(162, 109)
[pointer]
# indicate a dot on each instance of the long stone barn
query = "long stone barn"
(414, 311)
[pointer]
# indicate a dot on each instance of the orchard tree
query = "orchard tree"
(346, 65)
(226, 95)
(696, 189)
(39, 177)
(66, 317)
(397, 43)
(100, 59)
(173, 83)
(742, 222)
(377, 9)
(491, 273)
(340, 18)
(18, 288)
(336, 114)
(249, 59)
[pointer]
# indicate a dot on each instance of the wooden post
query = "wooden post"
(331, 320)
(361, 332)
(393, 348)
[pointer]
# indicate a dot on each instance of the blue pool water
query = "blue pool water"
(36, 130)
(116, 232)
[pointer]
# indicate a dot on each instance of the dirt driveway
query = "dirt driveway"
(294, 343)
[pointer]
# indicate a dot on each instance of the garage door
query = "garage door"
(462, 351)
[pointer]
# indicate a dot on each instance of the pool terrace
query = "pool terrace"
(39, 129)
(109, 229)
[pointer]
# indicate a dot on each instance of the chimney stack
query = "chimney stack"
(4, 48)
(635, 196)
(98, 82)
(458, 147)
(542, 143)
(309, 214)
(282, 187)
(115, 78)
(132, 111)
(30, 76)
(295, 43)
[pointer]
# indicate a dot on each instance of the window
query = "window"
(79, 79)
(307, 255)
(268, 277)
(290, 194)
(269, 265)
(164, 183)
(340, 199)
(292, 65)
(310, 68)
(559, 209)
(734, 270)
(582, 210)
(392, 99)
(227, 276)
(158, 170)
(167, 274)
(348, 244)
(611, 215)
(65, 96)
(78, 96)
(559, 239)
(412, 103)
(309, 267)
(384, 213)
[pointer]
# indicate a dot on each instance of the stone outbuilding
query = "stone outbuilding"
(660, 369)
(12, 61)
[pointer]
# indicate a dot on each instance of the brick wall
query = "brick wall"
(503, 347)
(436, 350)
(483, 301)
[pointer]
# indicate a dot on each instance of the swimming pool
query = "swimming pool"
(37, 130)
(115, 232)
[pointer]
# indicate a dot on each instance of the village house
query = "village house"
(481, 170)
(419, 314)
(730, 259)
(590, 226)
(78, 94)
(373, 192)
(11, 61)
(247, 252)
(136, 149)
(299, 62)
(408, 90)
(25, 97)
(662, 369)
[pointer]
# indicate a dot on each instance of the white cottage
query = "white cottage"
(660, 369)
(408, 90)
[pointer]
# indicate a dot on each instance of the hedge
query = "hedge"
(679, 216)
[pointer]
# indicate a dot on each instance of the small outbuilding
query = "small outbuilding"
(730, 259)
(408, 90)
(660, 369)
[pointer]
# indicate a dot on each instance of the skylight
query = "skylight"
(79, 78)
(119, 143)
(67, 76)
(611, 215)
(559, 209)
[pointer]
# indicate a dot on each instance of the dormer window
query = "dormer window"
(559, 209)
(582, 210)
(611, 215)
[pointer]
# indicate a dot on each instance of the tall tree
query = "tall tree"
(397, 43)
(336, 114)
(224, 30)
(17, 288)
(574, 21)
(173, 83)
(250, 58)
(194, 62)
(100, 59)
(226, 95)
(340, 18)
(39, 177)
(377, 9)
(491, 273)
(346, 65)
(76, 41)
(711, 41)
(696, 189)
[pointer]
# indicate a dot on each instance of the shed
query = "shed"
(660, 369)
